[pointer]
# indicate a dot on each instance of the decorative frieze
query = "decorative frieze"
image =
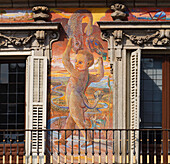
(140, 40)
(16, 41)
(163, 37)
(5, 40)
(160, 37)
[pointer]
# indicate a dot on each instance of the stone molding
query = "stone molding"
(154, 33)
(23, 35)
(5, 40)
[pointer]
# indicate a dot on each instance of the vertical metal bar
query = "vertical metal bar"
(134, 151)
(99, 146)
(17, 157)
(58, 159)
(10, 156)
(148, 146)
(127, 147)
(162, 146)
(65, 156)
(92, 146)
(154, 146)
(24, 153)
(113, 158)
(106, 149)
(3, 147)
(51, 152)
(45, 134)
(141, 153)
(38, 151)
(120, 151)
(31, 149)
(85, 146)
(72, 153)
(79, 159)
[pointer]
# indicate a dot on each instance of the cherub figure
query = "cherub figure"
(80, 79)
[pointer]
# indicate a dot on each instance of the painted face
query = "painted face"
(81, 62)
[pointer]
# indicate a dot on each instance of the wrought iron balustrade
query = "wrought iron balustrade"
(105, 146)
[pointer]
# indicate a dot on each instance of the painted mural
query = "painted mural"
(80, 82)
(103, 14)
(81, 93)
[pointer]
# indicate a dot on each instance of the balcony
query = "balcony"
(107, 146)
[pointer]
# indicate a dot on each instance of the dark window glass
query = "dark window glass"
(21, 126)
(3, 126)
(21, 88)
(151, 93)
(11, 126)
(3, 98)
(12, 108)
(20, 98)
(12, 88)
(3, 118)
(20, 108)
(12, 118)
(12, 78)
(12, 67)
(3, 108)
(3, 88)
(12, 96)
(21, 67)
(21, 118)
(21, 78)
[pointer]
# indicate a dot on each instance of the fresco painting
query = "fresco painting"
(81, 93)
(149, 14)
(80, 85)
(16, 15)
(102, 14)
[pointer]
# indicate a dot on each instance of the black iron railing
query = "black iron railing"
(85, 146)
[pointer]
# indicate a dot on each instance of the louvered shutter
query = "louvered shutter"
(36, 102)
(135, 102)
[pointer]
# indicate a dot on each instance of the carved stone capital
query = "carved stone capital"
(117, 34)
(105, 36)
(54, 36)
(41, 14)
(119, 12)
(40, 36)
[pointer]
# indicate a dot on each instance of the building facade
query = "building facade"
(84, 82)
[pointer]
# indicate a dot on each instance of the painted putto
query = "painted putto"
(81, 94)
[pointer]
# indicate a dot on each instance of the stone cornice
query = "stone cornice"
(30, 26)
(129, 25)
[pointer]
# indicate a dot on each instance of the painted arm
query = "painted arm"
(66, 59)
(100, 71)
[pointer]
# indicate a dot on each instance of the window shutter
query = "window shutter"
(135, 101)
(36, 102)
